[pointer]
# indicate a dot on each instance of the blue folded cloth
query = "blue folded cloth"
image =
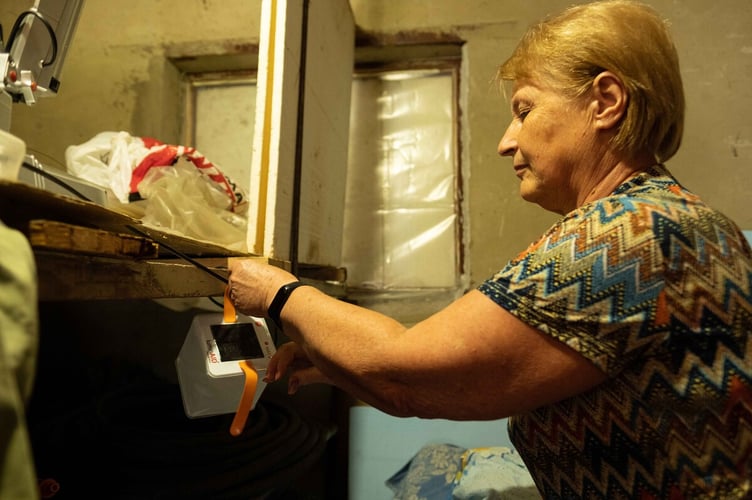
(449, 472)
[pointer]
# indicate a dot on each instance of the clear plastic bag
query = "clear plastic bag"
(172, 188)
(179, 199)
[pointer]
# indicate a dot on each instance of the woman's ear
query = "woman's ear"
(609, 99)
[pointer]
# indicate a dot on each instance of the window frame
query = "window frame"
(370, 60)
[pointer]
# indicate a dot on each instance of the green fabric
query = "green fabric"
(19, 334)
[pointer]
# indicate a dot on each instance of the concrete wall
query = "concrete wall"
(117, 78)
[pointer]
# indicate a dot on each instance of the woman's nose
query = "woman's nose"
(508, 143)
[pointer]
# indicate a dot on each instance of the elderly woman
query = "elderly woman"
(619, 342)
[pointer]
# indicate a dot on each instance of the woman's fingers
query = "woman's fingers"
(290, 359)
(281, 361)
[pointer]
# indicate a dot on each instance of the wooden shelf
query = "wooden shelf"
(68, 276)
(84, 251)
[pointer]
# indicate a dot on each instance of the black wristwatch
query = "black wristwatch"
(275, 309)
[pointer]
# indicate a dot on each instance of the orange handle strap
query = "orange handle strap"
(230, 316)
(246, 399)
(251, 377)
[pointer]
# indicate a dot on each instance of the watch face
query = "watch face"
(236, 341)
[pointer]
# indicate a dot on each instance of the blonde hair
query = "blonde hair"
(625, 37)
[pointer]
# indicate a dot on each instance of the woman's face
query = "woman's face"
(551, 143)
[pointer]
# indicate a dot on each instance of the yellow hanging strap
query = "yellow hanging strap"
(251, 377)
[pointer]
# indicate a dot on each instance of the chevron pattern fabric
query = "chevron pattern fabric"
(654, 287)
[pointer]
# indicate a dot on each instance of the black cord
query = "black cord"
(54, 179)
(216, 302)
(50, 30)
(174, 251)
(180, 254)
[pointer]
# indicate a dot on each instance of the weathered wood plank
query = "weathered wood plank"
(52, 235)
(64, 276)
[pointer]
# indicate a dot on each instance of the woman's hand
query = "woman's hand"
(291, 357)
(253, 283)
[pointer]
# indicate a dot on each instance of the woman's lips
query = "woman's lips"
(519, 169)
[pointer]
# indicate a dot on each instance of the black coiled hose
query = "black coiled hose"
(144, 447)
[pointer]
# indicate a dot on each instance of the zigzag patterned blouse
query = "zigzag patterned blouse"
(655, 288)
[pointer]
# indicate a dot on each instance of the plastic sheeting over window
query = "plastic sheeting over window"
(402, 235)
(402, 210)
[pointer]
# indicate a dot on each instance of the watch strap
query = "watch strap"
(279, 301)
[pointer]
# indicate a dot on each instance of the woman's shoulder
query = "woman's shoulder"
(651, 208)
(651, 193)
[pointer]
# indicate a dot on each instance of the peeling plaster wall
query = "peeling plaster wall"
(117, 77)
